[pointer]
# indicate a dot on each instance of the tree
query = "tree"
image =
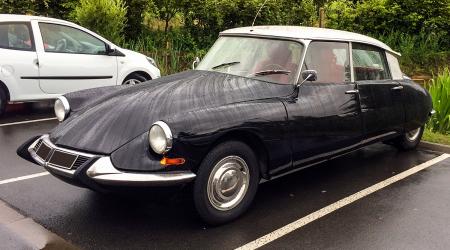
(167, 9)
(52, 8)
(135, 16)
(106, 17)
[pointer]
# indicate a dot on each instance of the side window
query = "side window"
(64, 39)
(330, 60)
(396, 72)
(369, 63)
(16, 36)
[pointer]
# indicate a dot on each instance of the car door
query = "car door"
(325, 119)
(18, 60)
(71, 59)
(380, 95)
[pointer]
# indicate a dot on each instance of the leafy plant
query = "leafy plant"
(440, 93)
(106, 17)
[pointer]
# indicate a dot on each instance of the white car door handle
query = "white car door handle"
(352, 92)
(397, 88)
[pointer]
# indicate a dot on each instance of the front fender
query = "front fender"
(198, 131)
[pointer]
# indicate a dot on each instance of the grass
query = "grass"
(436, 137)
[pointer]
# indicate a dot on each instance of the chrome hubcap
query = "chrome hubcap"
(228, 183)
(131, 82)
(413, 134)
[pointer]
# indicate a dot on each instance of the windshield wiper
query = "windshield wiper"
(225, 64)
(272, 72)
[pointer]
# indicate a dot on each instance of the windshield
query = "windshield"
(265, 59)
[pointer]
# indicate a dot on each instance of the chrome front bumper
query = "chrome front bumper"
(102, 170)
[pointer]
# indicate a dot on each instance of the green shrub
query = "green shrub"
(440, 93)
(422, 53)
(106, 17)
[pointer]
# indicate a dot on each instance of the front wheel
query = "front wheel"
(135, 78)
(410, 139)
(226, 182)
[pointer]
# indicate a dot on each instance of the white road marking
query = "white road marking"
(26, 177)
(337, 205)
(24, 122)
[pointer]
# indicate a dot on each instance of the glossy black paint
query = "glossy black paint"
(323, 119)
(287, 126)
(381, 107)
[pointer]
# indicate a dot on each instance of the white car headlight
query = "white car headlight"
(151, 61)
(62, 108)
(160, 137)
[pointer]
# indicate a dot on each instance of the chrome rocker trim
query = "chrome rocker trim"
(103, 171)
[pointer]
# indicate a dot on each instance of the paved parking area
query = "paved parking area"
(412, 213)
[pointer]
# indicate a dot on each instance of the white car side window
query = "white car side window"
(394, 66)
(64, 39)
(15, 36)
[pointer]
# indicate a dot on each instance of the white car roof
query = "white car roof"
(310, 33)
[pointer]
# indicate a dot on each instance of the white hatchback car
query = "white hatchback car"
(43, 58)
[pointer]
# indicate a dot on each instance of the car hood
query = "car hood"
(114, 119)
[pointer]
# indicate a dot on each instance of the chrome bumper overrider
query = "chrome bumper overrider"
(102, 171)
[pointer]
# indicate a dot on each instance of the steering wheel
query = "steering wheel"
(61, 45)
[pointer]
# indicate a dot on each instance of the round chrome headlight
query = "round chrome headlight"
(62, 108)
(160, 137)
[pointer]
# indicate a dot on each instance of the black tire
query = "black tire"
(138, 77)
(205, 207)
(3, 101)
(408, 140)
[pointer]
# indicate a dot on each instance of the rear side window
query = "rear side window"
(64, 39)
(330, 60)
(369, 63)
(16, 36)
(396, 72)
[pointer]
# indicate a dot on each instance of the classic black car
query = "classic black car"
(264, 101)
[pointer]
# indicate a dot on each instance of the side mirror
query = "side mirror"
(308, 75)
(112, 52)
(195, 62)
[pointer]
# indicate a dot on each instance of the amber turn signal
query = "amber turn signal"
(172, 161)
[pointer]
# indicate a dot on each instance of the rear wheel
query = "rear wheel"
(226, 182)
(135, 78)
(3, 101)
(410, 139)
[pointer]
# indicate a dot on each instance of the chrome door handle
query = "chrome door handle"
(352, 92)
(397, 88)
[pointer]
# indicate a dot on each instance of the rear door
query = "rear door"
(18, 60)
(71, 59)
(326, 119)
(380, 95)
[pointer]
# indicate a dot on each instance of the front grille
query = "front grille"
(80, 161)
(59, 157)
(43, 151)
(62, 159)
(38, 144)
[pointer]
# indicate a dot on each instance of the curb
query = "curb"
(18, 231)
(435, 146)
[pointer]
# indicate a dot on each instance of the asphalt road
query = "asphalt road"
(409, 214)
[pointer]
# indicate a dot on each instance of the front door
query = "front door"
(380, 96)
(71, 59)
(325, 119)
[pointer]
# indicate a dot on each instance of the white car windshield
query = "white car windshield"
(260, 58)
